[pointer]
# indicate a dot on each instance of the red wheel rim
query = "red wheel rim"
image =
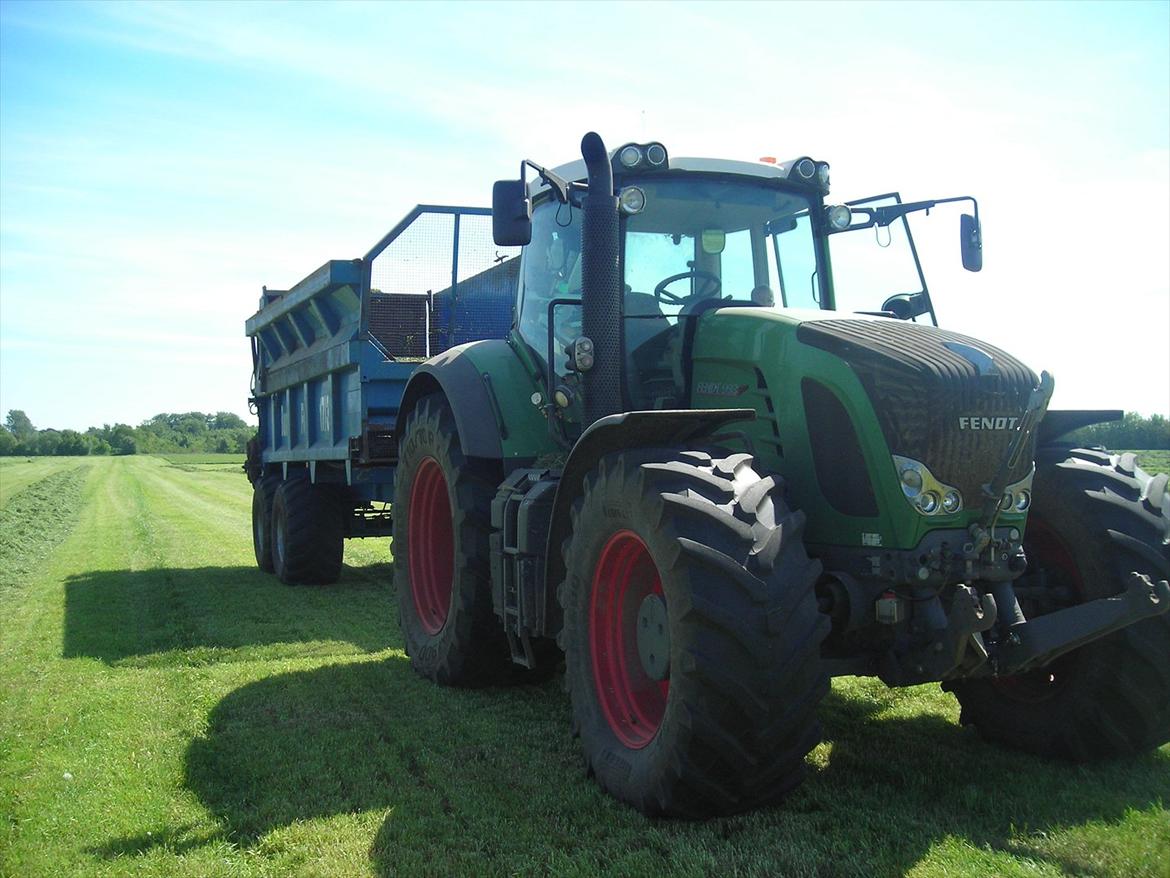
(1046, 549)
(431, 546)
(633, 704)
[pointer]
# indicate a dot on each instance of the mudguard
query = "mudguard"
(1057, 423)
(620, 432)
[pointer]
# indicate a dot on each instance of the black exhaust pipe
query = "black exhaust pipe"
(601, 283)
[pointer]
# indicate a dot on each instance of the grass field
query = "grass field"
(1154, 461)
(165, 709)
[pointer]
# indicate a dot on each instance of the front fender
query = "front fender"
(1057, 423)
(645, 429)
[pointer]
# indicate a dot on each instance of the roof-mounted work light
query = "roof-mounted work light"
(806, 172)
(640, 157)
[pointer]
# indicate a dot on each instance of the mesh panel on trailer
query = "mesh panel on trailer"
(398, 321)
(402, 277)
(414, 308)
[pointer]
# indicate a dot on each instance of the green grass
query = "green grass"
(200, 459)
(165, 709)
(1154, 461)
(18, 473)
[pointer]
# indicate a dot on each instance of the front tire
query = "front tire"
(442, 570)
(722, 720)
(1095, 518)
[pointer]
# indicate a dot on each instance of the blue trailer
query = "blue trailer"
(331, 360)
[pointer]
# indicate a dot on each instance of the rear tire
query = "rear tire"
(1095, 518)
(442, 570)
(729, 726)
(308, 532)
(263, 492)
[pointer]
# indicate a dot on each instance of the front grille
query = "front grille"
(920, 389)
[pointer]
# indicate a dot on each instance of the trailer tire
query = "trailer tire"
(442, 560)
(308, 532)
(718, 716)
(263, 492)
(1095, 518)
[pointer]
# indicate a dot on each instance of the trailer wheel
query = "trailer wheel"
(1095, 518)
(442, 571)
(263, 492)
(308, 532)
(691, 633)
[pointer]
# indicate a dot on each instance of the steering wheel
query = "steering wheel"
(713, 285)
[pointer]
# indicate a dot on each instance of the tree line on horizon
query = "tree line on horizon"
(222, 432)
(226, 433)
(1132, 432)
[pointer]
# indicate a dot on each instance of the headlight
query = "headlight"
(823, 175)
(656, 154)
(839, 217)
(911, 481)
(632, 200)
(923, 491)
(806, 168)
(1017, 497)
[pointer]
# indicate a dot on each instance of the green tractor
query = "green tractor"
(690, 475)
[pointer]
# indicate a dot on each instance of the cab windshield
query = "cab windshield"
(700, 239)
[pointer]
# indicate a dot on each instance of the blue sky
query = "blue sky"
(160, 162)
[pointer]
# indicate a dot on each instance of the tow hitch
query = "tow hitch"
(1044, 638)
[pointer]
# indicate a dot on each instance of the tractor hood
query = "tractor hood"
(947, 400)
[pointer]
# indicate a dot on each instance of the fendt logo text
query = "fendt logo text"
(974, 423)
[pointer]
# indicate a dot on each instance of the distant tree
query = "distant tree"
(70, 442)
(44, 443)
(192, 423)
(19, 425)
(122, 439)
(227, 421)
(7, 442)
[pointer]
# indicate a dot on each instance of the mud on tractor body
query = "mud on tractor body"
(694, 471)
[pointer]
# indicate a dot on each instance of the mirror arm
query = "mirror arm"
(883, 216)
(559, 186)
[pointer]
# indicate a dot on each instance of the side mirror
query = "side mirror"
(905, 306)
(971, 242)
(511, 214)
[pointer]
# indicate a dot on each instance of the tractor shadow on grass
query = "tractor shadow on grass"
(897, 785)
(203, 615)
(372, 735)
(489, 781)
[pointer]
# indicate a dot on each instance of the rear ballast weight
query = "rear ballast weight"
(650, 448)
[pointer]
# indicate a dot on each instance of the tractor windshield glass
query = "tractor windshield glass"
(701, 239)
(870, 265)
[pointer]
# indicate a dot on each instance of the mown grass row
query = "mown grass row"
(165, 709)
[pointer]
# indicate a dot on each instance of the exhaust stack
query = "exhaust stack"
(601, 283)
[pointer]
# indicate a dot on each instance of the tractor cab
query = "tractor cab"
(696, 235)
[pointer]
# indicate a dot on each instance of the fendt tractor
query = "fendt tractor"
(635, 420)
